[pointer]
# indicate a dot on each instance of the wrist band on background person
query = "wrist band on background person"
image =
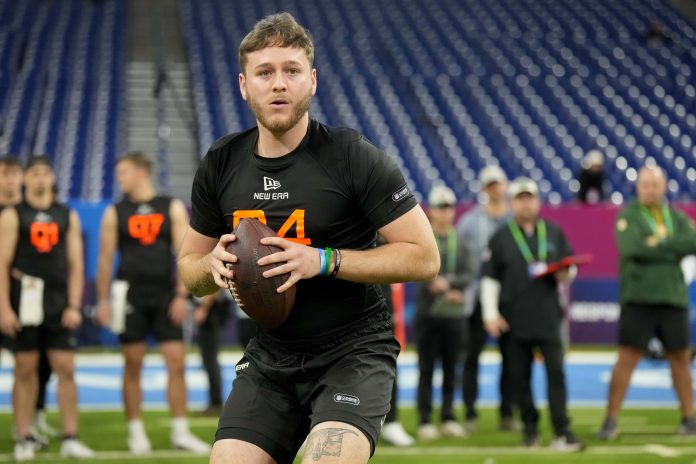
(337, 252)
(322, 260)
(328, 260)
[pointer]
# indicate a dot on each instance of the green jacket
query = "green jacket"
(652, 274)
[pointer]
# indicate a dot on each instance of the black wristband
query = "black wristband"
(337, 266)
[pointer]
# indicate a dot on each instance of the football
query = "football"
(255, 294)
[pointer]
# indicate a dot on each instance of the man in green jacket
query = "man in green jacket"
(652, 239)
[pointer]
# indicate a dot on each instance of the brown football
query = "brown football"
(255, 294)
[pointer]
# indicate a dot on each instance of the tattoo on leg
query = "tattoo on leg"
(326, 442)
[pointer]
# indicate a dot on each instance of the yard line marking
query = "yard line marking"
(662, 451)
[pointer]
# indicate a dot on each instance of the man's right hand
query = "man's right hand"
(9, 323)
(496, 327)
(104, 314)
(217, 259)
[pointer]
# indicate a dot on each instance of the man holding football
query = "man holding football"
(326, 373)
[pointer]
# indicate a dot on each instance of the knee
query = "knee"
(133, 368)
(25, 373)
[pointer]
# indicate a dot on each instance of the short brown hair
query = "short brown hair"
(139, 159)
(10, 162)
(38, 160)
(279, 30)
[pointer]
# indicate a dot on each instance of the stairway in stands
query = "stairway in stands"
(160, 123)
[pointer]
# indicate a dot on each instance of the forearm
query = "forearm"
(76, 285)
(389, 263)
(195, 275)
(5, 302)
(103, 281)
(490, 299)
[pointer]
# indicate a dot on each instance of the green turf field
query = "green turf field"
(648, 436)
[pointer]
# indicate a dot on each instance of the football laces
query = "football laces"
(235, 294)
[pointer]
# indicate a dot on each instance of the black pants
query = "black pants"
(44, 376)
(521, 356)
(209, 342)
(437, 339)
(475, 343)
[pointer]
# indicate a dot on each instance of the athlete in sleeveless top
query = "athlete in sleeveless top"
(41, 284)
(146, 229)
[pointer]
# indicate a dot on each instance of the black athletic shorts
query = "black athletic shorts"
(148, 313)
(50, 334)
(279, 396)
(639, 323)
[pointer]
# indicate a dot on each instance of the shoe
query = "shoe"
(509, 424)
(530, 439)
(24, 450)
(210, 411)
(610, 430)
(42, 426)
(687, 426)
(567, 443)
(394, 434)
(190, 442)
(471, 425)
(74, 448)
(452, 429)
(138, 443)
(428, 432)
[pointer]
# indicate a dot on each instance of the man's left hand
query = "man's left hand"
(300, 261)
(177, 310)
(71, 318)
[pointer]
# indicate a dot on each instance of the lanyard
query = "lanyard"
(542, 244)
(666, 217)
(451, 250)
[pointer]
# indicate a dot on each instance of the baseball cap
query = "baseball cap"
(523, 185)
(490, 174)
(440, 196)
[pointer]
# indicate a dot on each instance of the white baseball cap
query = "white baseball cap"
(441, 195)
(490, 174)
(523, 185)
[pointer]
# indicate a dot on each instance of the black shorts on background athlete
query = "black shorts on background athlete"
(334, 190)
(147, 264)
(639, 323)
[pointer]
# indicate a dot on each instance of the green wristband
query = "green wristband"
(328, 261)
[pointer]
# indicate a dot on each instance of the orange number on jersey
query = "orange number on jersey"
(43, 236)
(146, 227)
(296, 218)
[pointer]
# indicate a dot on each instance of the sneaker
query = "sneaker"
(687, 426)
(74, 448)
(453, 429)
(190, 442)
(471, 425)
(138, 443)
(394, 434)
(428, 432)
(530, 439)
(509, 424)
(609, 430)
(24, 449)
(42, 426)
(567, 442)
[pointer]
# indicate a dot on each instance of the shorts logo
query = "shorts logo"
(401, 193)
(241, 367)
(270, 184)
(348, 399)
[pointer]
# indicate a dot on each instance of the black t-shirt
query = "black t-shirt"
(41, 247)
(334, 190)
(145, 241)
(531, 306)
